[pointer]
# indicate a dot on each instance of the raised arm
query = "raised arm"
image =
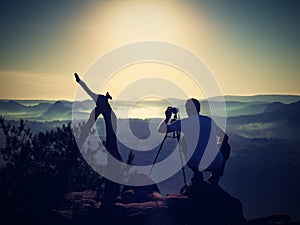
(85, 88)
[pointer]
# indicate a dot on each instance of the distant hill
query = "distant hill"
(262, 98)
(79, 106)
(33, 102)
(41, 107)
(281, 122)
(11, 106)
(248, 109)
(285, 112)
(273, 106)
(58, 111)
(235, 108)
(84, 105)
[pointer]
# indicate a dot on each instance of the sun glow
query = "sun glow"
(116, 23)
(152, 78)
(107, 25)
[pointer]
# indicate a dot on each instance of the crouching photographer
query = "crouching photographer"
(201, 134)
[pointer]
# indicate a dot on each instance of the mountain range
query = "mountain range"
(236, 106)
(251, 117)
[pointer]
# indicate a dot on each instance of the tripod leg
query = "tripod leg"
(181, 160)
(156, 157)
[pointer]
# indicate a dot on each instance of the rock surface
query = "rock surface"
(202, 204)
(206, 203)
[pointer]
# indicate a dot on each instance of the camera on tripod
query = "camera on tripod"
(174, 110)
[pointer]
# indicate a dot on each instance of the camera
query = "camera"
(174, 110)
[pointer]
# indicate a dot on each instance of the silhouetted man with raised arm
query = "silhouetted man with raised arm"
(111, 189)
(101, 103)
(201, 134)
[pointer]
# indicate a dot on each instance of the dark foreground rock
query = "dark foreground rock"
(206, 203)
(201, 204)
(280, 219)
(85, 208)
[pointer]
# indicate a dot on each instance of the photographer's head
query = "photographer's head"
(192, 107)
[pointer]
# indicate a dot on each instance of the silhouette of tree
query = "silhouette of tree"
(40, 169)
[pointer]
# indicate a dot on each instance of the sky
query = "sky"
(252, 47)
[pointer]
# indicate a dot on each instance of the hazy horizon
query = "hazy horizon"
(121, 99)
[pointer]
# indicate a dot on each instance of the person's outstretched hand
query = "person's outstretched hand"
(77, 77)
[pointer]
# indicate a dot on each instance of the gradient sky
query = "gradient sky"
(252, 47)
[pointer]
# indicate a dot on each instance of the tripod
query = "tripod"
(176, 134)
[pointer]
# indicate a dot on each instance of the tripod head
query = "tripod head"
(173, 111)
